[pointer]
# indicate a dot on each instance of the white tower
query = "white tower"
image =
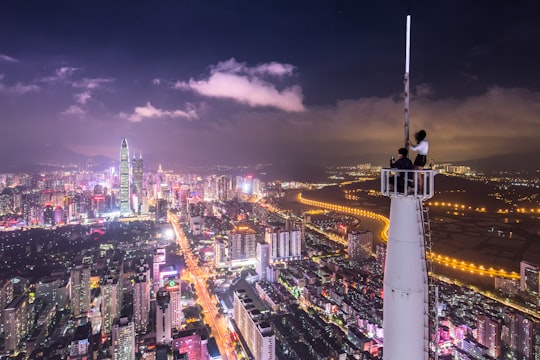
(406, 293)
(406, 305)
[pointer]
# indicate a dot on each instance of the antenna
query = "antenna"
(406, 79)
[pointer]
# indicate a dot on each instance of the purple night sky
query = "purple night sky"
(266, 81)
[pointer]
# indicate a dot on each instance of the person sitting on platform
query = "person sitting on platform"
(402, 163)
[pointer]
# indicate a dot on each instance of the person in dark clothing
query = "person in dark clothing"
(402, 163)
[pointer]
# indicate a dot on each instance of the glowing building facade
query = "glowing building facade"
(80, 290)
(123, 340)
(163, 317)
(124, 179)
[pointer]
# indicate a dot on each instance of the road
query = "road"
(217, 323)
(476, 269)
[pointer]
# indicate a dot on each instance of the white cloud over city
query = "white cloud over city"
(150, 112)
(248, 85)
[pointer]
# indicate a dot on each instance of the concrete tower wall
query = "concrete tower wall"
(405, 284)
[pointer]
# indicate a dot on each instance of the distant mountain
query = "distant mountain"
(49, 157)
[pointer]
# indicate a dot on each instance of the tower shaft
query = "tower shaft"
(405, 306)
(405, 284)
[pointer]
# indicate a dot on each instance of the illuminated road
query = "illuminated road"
(217, 323)
(351, 211)
(475, 269)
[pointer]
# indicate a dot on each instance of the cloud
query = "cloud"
(148, 112)
(18, 89)
(274, 68)
(65, 72)
(74, 110)
(8, 59)
(156, 81)
(83, 97)
(233, 80)
(61, 74)
(499, 121)
(425, 90)
(91, 84)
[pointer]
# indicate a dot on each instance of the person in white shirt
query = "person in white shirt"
(421, 149)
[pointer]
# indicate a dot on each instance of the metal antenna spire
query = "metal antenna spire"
(406, 79)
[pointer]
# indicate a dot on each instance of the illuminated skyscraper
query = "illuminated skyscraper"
(529, 283)
(6, 296)
(257, 333)
(489, 334)
(359, 244)
(174, 289)
(141, 302)
(80, 290)
(17, 322)
(123, 340)
(124, 179)
(242, 243)
(111, 299)
(285, 245)
(263, 260)
(137, 171)
(163, 317)
(159, 259)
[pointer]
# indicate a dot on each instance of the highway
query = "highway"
(217, 323)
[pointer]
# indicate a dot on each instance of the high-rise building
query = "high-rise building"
(489, 334)
(359, 245)
(224, 188)
(54, 289)
(124, 179)
(17, 321)
(80, 290)
(529, 279)
(159, 259)
(285, 245)
(263, 260)
(220, 251)
(123, 339)
(163, 317)
(256, 332)
(174, 288)
(519, 334)
(161, 210)
(242, 243)
(137, 171)
(141, 302)
(111, 300)
(6, 296)
(48, 215)
(380, 254)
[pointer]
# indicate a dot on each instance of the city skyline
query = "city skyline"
(243, 82)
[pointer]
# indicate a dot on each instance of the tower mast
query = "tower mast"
(406, 79)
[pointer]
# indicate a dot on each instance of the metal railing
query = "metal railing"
(408, 183)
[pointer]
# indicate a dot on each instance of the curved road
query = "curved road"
(476, 269)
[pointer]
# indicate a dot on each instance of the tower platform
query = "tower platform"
(418, 184)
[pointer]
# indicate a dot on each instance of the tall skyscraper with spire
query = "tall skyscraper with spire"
(137, 172)
(124, 179)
